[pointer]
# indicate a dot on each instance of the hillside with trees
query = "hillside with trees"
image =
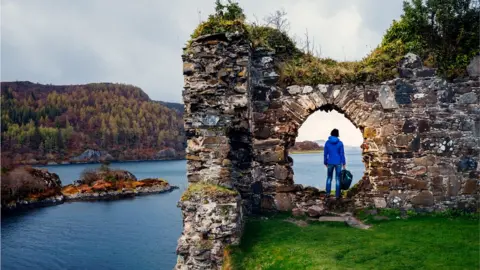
(306, 146)
(50, 123)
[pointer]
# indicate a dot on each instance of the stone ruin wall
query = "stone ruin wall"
(421, 140)
(219, 148)
(421, 136)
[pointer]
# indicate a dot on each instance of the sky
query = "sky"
(140, 42)
(319, 125)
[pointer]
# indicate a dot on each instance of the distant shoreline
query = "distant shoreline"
(43, 164)
(306, 152)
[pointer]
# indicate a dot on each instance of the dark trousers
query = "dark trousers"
(338, 169)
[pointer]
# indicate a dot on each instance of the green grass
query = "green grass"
(414, 243)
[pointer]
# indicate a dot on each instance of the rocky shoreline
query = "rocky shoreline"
(115, 194)
(26, 204)
(71, 162)
(96, 196)
(106, 185)
(94, 157)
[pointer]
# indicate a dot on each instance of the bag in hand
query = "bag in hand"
(345, 179)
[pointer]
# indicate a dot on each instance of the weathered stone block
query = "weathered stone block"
(467, 164)
(410, 60)
(468, 98)
(263, 133)
(307, 103)
(307, 89)
(379, 202)
(285, 189)
(403, 92)
(294, 89)
(238, 100)
(424, 198)
(425, 72)
(210, 120)
(215, 140)
(423, 126)
(264, 144)
(387, 130)
(387, 98)
(370, 96)
(454, 185)
(419, 170)
(283, 202)
(429, 160)
(280, 172)
(278, 155)
(193, 157)
(316, 211)
(318, 99)
(471, 187)
(415, 183)
(403, 140)
(189, 68)
(415, 144)
(409, 126)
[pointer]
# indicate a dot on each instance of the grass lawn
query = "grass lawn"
(413, 243)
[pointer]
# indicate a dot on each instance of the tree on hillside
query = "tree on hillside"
(230, 11)
(36, 138)
(444, 32)
(278, 20)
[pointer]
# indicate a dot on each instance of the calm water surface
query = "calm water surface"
(139, 233)
(309, 169)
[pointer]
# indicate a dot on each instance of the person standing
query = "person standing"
(334, 159)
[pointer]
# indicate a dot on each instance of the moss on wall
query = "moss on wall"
(206, 190)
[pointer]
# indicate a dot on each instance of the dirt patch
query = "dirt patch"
(299, 223)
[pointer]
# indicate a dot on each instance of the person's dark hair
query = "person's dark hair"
(335, 132)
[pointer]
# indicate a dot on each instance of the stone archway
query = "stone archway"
(297, 104)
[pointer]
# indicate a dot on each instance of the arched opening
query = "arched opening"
(308, 151)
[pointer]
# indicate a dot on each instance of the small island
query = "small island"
(26, 187)
(305, 147)
(107, 184)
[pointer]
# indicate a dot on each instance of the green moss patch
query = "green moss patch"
(207, 190)
(216, 25)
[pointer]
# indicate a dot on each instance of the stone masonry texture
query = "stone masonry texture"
(421, 144)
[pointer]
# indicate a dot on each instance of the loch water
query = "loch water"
(138, 233)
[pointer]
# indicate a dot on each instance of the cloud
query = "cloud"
(319, 125)
(140, 42)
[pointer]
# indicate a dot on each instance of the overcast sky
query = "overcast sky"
(140, 42)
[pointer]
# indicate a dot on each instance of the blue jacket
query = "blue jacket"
(333, 152)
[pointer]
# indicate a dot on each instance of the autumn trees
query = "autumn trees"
(66, 120)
